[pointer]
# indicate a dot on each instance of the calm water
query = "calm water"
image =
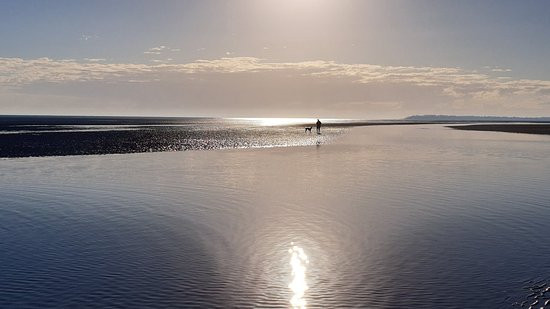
(379, 217)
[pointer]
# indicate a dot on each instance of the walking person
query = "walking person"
(318, 126)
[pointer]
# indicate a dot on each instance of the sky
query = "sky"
(275, 58)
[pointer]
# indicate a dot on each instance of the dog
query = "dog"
(308, 129)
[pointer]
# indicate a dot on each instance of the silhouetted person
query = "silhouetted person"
(318, 126)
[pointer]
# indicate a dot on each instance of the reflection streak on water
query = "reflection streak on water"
(298, 285)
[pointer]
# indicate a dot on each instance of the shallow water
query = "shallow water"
(380, 217)
(61, 136)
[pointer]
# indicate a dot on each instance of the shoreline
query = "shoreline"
(540, 129)
(45, 141)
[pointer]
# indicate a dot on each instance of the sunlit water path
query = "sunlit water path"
(298, 285)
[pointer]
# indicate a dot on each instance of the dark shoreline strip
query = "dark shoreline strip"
(509, 128)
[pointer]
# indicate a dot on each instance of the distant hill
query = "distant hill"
(451, 118)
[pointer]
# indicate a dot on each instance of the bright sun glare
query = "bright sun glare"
(298, 285)
(280, 121)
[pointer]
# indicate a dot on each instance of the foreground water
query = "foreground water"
(381, 217)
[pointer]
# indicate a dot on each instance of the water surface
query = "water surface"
(379, 217)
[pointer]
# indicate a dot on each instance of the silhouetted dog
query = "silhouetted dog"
(308, 129)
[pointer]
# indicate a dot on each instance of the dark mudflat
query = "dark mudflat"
(511, 128)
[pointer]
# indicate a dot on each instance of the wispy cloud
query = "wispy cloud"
(167, 60)
(243, 82)
(95, 59)
(501, 70)
(497, 69)
(88, 37)
(160, 49)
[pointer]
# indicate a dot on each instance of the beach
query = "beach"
(64, 136)
(379, 217)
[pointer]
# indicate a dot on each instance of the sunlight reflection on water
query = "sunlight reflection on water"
(298, 285)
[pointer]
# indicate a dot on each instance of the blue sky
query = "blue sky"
(501, 47)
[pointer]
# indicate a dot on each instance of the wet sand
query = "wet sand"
(511, 128)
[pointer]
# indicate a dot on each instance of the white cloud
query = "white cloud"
(497, 69)
(501, 70)
(167, 60)
(95, 59)
(88, 37)
(238, 84)
(160, 49)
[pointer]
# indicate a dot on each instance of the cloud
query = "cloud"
(160, 49)
(497, 69)
(95, 59)
(88, 37)
(167, 60)
(17, 71)
(501, 70)
(247, 86)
